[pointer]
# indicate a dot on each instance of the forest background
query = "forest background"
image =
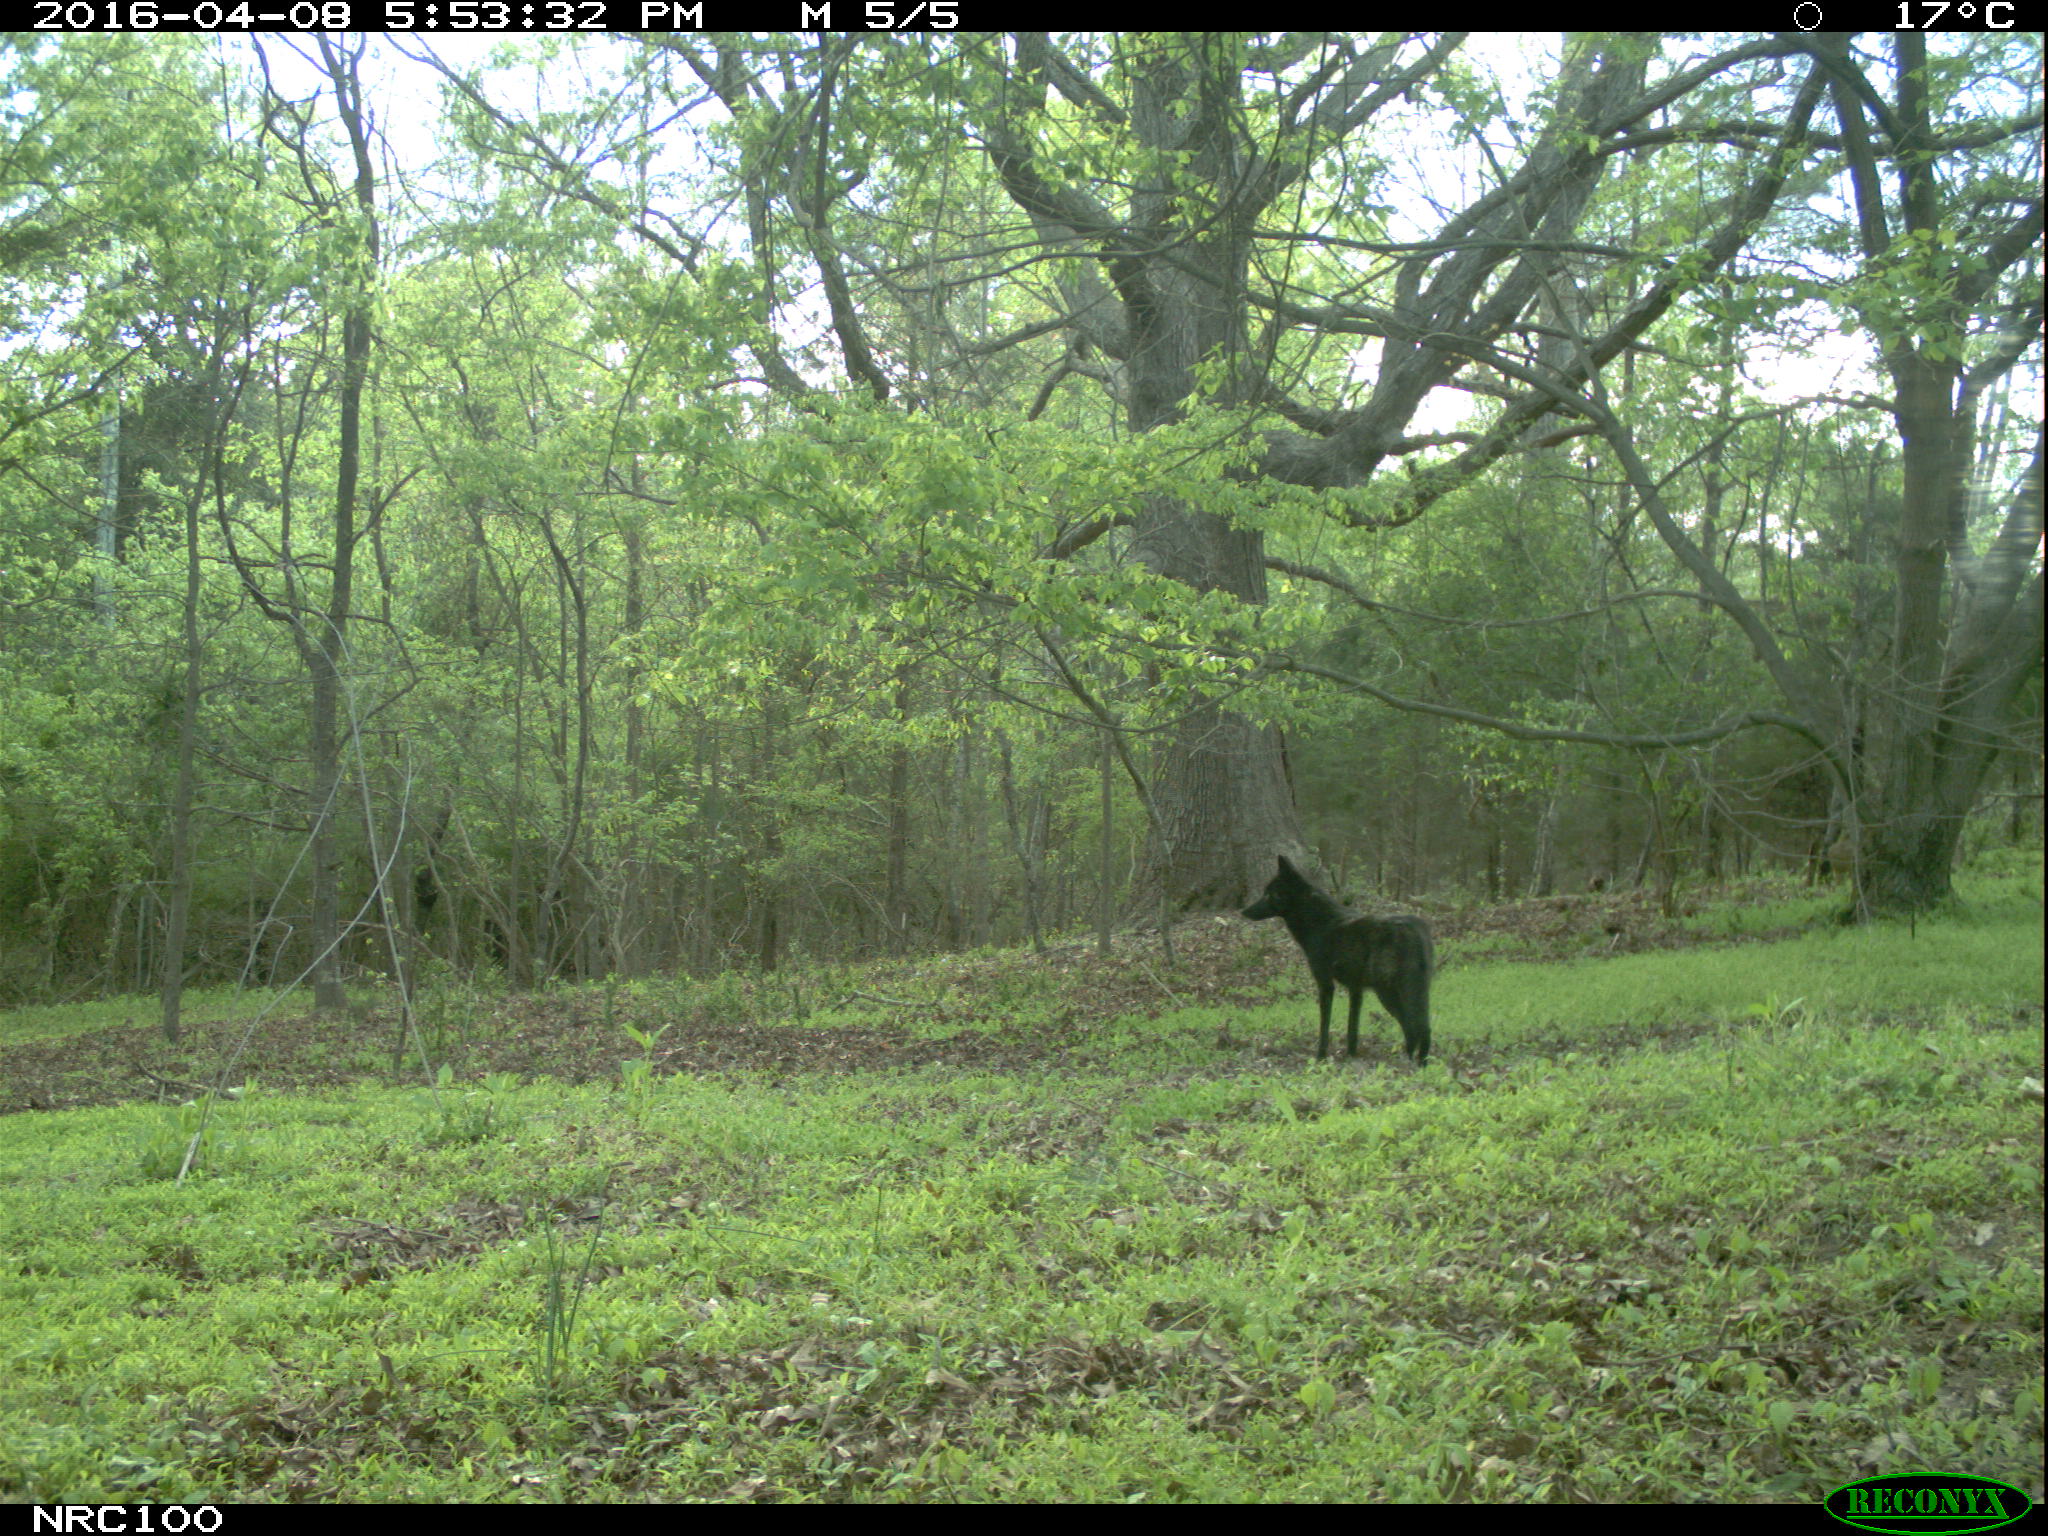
(689, 501)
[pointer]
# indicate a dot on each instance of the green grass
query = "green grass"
(1855, 970)
(56, 1020)
(1739, 1222)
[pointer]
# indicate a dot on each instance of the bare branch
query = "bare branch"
(1521, 730)
(1339, 583)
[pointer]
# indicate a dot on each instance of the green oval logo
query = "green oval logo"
(1928, 1502)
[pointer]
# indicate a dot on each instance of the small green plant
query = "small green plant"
(1771, 1011)
(637, 1079)
(444, 1005)
(647, 1039)
(474, 1115)
(175, 1138)
(561, 1300)
(636, 1076)
(881, 1363)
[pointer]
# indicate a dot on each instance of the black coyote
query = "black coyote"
(1392, 955)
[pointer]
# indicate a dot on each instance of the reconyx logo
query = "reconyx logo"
(1928, 1503)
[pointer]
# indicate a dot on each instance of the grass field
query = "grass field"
(1738, 1209)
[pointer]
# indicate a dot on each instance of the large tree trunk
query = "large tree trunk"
(1224, 807)
(1947, 733)
(1224, 811)
(1952, 678)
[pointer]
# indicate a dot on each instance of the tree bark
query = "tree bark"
(178, 913)
(324, 641)
(1950, 681)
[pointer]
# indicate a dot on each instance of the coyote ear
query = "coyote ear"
(1287, 868)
